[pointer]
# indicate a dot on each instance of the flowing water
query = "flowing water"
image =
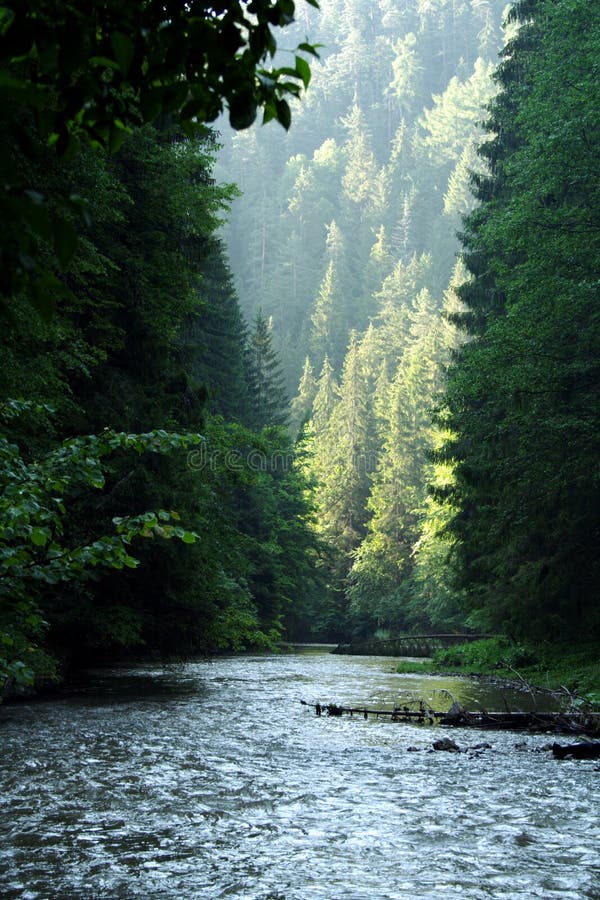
(211, 780)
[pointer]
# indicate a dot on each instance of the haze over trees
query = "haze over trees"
(471, 502)
(345, 234)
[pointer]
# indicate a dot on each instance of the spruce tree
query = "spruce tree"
(268, 403)
(302, 404)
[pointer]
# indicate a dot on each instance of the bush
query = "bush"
(490, 653)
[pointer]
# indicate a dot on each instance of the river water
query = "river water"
(211, 780)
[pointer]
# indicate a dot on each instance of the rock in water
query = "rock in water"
(584, 750)
(446, 744)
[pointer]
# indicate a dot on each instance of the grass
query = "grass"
(549, 666)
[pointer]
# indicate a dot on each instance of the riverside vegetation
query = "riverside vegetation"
(166, 289)
(564, 669)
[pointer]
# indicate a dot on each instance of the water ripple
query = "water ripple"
(210, 780)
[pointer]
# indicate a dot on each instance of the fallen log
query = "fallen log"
(579, 723)
(582, 750)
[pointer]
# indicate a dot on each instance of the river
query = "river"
(211, 780)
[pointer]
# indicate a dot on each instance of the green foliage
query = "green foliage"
(36, 548)
(267, 401)
(450, 123)
(560, 667)
(357, 158)
(263, 548)
(125, 65)
(149, 350)
(357, 238)
(486, 655)
(302, 403)
(71, 76)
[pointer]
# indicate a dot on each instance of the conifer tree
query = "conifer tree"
(213, 340)
(341, 432)
(302, 403)
(329, 323)
(326, 397)
(380, 577)
(268, 403)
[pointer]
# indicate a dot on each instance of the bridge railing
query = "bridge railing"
(408, 644)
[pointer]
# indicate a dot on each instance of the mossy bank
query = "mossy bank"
(574, 668)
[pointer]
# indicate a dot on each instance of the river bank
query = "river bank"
(558, 668)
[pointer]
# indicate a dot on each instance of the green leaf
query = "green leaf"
(104, 62)
(123, 49)
(284, 113)
(310, 48)
(270, 111)
(242, 110)
(39, 537)
(303, 70)
(188, 537)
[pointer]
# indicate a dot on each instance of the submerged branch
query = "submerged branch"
(573, 722)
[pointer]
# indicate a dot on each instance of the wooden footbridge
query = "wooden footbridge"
(419, 645)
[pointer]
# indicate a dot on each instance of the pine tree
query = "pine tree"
(380, 577)
(325, 399)
(213, 340)
(447, 126)
(341, 460)
(333, 312)
(302, 403)
(268, 403)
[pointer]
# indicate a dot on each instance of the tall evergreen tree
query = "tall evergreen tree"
(325, 398)
(302, 403)
(268, 403)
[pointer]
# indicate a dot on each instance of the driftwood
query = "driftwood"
(583, 750)
(571, 722)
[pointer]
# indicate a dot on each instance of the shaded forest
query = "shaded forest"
(333, 380)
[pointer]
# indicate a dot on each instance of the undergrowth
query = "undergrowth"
(575, 669)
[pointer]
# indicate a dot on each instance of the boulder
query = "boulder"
(446, 744)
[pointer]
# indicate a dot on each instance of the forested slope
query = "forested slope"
(437, 463)
(346, 236)
(472, 502)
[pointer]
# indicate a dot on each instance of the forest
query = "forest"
(332, 380)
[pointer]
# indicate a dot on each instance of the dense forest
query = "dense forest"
(476, 507)
(150, 502)
(252, 385)
(345, 237)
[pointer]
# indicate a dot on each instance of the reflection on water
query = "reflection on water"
(210, 780)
